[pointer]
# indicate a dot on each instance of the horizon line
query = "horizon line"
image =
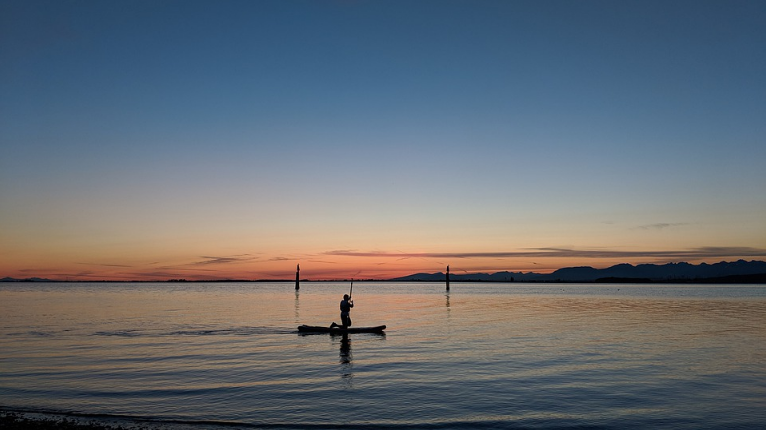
(350, 279)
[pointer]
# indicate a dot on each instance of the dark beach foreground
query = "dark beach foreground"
(13, 420)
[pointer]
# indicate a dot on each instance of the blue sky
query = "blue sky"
(145, 134)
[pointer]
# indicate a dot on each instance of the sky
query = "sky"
(153, 140)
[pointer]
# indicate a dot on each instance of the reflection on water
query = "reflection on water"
(297, 306)
(345, 349)
(486, 355)
(346, 358)
(449, 311)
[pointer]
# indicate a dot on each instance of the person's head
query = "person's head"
(345, 297)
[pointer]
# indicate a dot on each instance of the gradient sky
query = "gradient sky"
(372, 139)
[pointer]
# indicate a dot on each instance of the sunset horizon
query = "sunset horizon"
(162, 140)
(383, 266)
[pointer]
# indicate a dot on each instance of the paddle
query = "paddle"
(351, 290)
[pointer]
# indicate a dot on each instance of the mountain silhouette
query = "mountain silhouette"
(642, 272)
(740, 271)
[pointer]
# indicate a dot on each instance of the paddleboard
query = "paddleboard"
(340, 330)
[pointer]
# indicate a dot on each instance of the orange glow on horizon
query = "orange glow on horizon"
(317, 267)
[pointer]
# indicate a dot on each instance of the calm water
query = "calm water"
(485, 355)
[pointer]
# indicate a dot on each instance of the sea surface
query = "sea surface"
(207, 355)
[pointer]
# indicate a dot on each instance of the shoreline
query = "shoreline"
(754, 279)
(19, 419)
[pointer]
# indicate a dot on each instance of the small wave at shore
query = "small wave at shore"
(234, 331)
(18, 419)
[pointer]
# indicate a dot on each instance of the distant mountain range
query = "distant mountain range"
(737, 271)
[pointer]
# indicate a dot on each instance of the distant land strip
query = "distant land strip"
(736, 272)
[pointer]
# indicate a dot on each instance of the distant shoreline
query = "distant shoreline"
(733, 279)
(736, 272)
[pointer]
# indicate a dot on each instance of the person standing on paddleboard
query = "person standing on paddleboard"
(345, 312)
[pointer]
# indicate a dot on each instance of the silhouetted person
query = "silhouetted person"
(345, 312)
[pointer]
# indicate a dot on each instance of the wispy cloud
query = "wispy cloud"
(323, 261)
(661, 225)
(703, 252)
(160, 274)
(155, 275)
(208, 260)
(104, 265)
(283, 259)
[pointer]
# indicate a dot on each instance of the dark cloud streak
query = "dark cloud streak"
(702, 252)
(104, 265)
(220, 260)
(661, 225)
